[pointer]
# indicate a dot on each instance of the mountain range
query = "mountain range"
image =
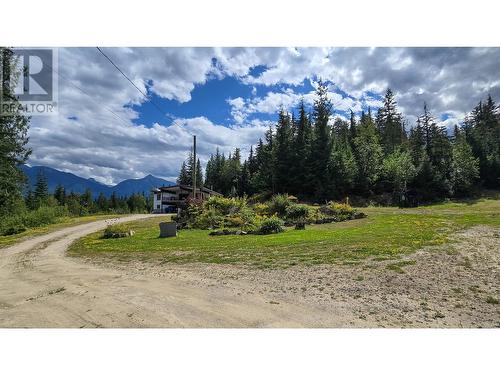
(77, 184)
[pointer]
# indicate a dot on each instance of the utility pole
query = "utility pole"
(195, 166)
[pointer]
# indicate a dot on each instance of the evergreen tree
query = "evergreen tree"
(321, 144)
(368, 153)
(60, 195)
(418, 145)
(465, 166)
(399, 170)
(264, 178)
(102, 203)
(282, 152)
(434, 173)
(183, 178)
(299, 170)
(30, 200)
(482, 130)
(41, 193)
(390, 124)
(13, 141)
(186, 172)
(352, 128)
(136, 203)
(86, 201)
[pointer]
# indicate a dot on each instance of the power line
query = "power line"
(128, 79)
(89, 95)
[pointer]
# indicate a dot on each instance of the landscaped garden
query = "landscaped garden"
(385, 233)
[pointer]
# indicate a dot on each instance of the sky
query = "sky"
(106, 129)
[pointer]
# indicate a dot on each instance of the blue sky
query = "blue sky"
(229, 97)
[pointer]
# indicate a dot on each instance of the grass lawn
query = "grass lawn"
(62, 223)
(387, 233)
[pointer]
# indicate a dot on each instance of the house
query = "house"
(169, 199)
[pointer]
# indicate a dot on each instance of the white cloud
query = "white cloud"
(98, 144)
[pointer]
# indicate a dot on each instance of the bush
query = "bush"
(226, 206)
(30, 219)
(209, 218)
(278, 205)
(271, 225)
(297, 212)
(340, 211)
(116, 231)
(44, 216)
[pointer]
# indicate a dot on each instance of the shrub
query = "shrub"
(260, 208)
(297, 212)
(340, 211)
(116, 231)
(226, 206)
(278, 205)
(30, 219)
(12, 226)
(44, 216)
(209, 218)
(271, 225)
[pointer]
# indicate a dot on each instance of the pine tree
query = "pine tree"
(417, 145)
(390, 124)
(282, 152)
(482, 130)
(13, 142)
(352, 128)
(183, 178)
(102, 202)
(299, 170)
(30, 200)
(368, 152)
(41, 193)
(434, 175)
(60, 195)
(86, 200)
(343, 167)
(321, 144)
(264, 178)
(465, 166)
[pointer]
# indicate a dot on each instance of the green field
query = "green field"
(62, 223)
(387, 233)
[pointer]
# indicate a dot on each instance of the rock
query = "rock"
(300, 226)
(168, 229)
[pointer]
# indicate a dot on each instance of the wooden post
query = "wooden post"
(195, 167)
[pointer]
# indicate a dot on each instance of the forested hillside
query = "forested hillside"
(317, 157)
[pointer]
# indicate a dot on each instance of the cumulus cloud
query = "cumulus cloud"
(87, 139)
(288, 99)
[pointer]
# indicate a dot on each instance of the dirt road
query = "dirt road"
(40, 287)
(447, 287)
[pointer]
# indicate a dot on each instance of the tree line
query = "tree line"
(317, 158)
(84, 204)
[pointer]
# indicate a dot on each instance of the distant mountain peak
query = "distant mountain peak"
(77, 184)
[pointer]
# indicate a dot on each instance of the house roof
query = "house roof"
(188, 188)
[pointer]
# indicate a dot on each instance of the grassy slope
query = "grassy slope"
(386, 233)
(64, 222)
